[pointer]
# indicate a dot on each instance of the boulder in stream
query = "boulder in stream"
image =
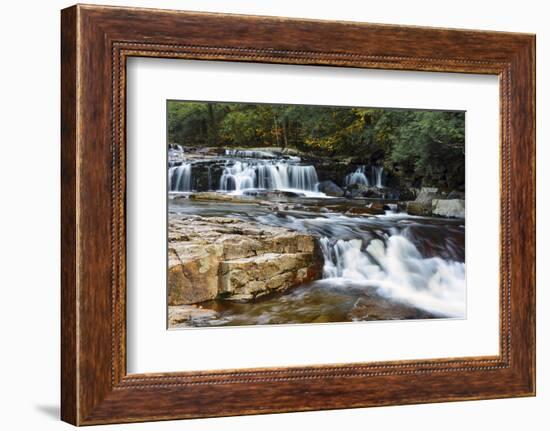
(181, 316)
(224, 197)
(419, 208)
(454, 208)
(355, 191)
(422, 205)
(330, 189)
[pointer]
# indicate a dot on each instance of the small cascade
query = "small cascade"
(398, 270)
(357, 177)
(175, 155)
(344, 259)
(238, 176)
(378, 172)
(302, 177)
(361, 176)
(179, 178)
(268, 175)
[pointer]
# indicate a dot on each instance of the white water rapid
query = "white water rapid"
(398, 271)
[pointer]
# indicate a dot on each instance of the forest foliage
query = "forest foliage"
(424, 143)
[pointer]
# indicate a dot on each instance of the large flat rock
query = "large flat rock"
(255, 276)
(211, 257)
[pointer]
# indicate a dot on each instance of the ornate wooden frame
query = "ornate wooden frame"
(95, 42)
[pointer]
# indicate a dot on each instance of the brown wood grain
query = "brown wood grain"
(69, 366)
(96, 41)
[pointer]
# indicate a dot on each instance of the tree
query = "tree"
(425, 145)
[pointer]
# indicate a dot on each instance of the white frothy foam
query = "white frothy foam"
(399, 271)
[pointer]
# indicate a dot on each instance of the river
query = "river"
(376, 267)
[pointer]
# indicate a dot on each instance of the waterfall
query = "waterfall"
(399, 271)
(175, 155)
(268, 175)
(302, 177)
(239, 176)
(357, 177)
(378, 172)
(179, 178)
(344, 259)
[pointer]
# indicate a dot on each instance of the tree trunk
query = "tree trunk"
(285, 127)
(212, 126)
(276, 129)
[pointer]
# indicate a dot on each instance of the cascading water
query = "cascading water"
(179, 178)
(378, 175)
(302, 177)
(399, 271)
(238, 176)
(280, 175)
(175, 154)
(374, 267)
(360, 176)
(357, 177)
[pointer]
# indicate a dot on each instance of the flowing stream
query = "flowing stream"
(390, 266)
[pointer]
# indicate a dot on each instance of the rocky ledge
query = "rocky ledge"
(431, 202)
(221, 257)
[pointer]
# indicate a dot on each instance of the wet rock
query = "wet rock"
(375, 307)
(364, 191)
(360, 310)
(422, 205)
(373, 208)
(454, 208)
(189, 315)
(223, 197)
(330, 189)
(273, 194)
(368, 210)
(210, 257)
(419, 208)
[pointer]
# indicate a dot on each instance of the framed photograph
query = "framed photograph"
(264, 215)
